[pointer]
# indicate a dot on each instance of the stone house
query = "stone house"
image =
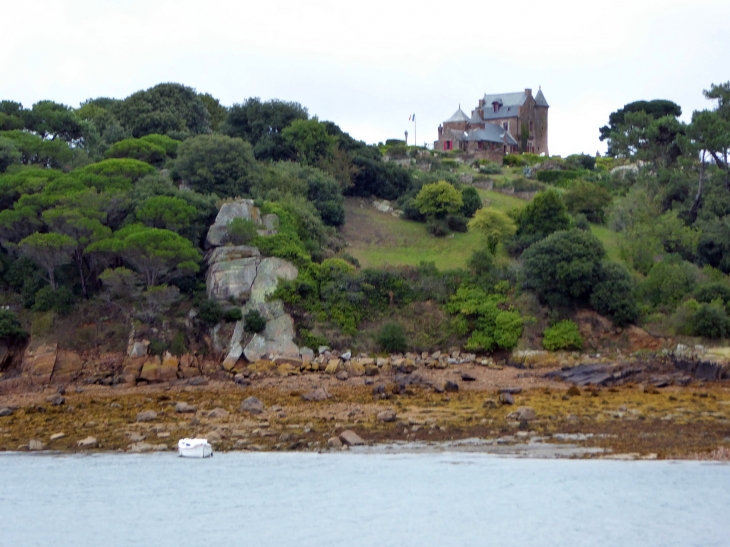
(502, 123)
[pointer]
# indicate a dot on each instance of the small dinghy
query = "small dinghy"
(194, 448)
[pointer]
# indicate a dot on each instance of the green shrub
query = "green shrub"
(589, 199)
(61, 300)
(490, 168)
(710, 321)
(210, 312)
(668, 282)
(472, 201)
(163, 141)
(558, 178)
(254, 321)
(392, 338)
(563, 335)
(10, 327)
(177, 346)
(712, 291)
(545, 214)
(449, 163)
(137, 149)
(457, 223)
(513, 160)
(613, 296)
(232, 315)
(157, 347)
(437, 228)
(242, 231)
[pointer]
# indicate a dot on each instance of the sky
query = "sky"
(368, 66)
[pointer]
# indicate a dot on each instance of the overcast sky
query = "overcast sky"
(369, 65)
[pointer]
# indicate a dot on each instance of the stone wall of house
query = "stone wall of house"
(541, 130)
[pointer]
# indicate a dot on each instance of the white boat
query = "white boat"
(194, 448)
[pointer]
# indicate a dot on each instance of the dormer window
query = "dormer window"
(505, 126)
(495, 104)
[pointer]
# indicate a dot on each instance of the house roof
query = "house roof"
(504, 111)
(506, 99)
(540, 99)
(458, 116)
(491, 133)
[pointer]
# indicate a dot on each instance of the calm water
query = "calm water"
(359, 500)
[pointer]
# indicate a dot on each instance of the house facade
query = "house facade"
(502, 123)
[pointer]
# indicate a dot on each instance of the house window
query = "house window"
(505, 126)
(496, 106)
(530, 127)
(447, 145)
(480, 145)
(505, 148)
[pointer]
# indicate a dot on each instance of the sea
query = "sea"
(359, 499)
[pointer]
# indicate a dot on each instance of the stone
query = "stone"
(306, 355)
(218, 413)
(350, 438)
(277, 339)
(35, 445)
(511, 390)
(135, 437)
(168, 368)
(346, 356)
(147, 416)
(131, 368)
(451, 387)
(68, 367)
(5, 411)
(57, 436)
(198, 381)
(138, 349)
(371, 370)
(252, 405)
(38, 364)
(184, 408)
(334, 442)
(317, 394)
(523, 414)
(270, 270)
(386, 416)
(506, 399)
(240, 208)
(332, 367)
(342, 375)
(88, 442)
(231, 276)
(465, 376)
(151, 369)
(271, 222)
(56, 400)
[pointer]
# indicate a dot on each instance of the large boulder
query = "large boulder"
(269, 272)
(38, 364)
(232, 271)
(242, 208)
(68, 367)
(277, 339)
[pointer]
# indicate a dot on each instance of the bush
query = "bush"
(242, 231)
(710, 321)
(558, 178)
(564, 335)
(588, 199)
(613, 296)
(61, 300)
(137, 149)
(232, 315)
(437, 228)
(712, 291)
(472, 201)
(177, 346)
(392, 338)
(513, 160)
(254, 322)
(10, 327)
(457, 223)
(545, 214)
(490, 168)
(210, 312)
(668, 282)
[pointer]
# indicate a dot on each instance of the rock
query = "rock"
(68, 367)
(467, 377)
(35, 445)
(333, 366)
(232, 274)
(218, 413)
(439, 387)
(386, 416)
(57, 436)
(168, 368)
(346, 356)
(277, 338)
(271, 222)
(56, 400)
(317, 394)
(151, 369)
(184, 408)
(252, 405)
(511, 390)
(145, 447)
(135, 437)
(342, 375)
(350, 438)
(138, 349)
(5, 411)
(38, 364)
(240, 208)
(334, 442)
(131, 368)
(451, 387)
(306, 355)
(523, 414)
(198, 381)
(147, 416)
(506, 399)
(573, 391)
(371, 370)
(88, 442)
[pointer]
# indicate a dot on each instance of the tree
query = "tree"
(52, 121)
(588, 199)
(656, 109)
(261, 124)
(217, 164)
(152, 251)
(563, 268)
(438, 199)
(310, 141)
(216, 110)
(166, 109)
(645, 138)
(138, 149)
(324, 192)
(48, 251)
(34, 150)
(377, 178)
(472, 201)
(9, 153)
(494, 224)
(166, 212)
(613, 296)
(545, 214)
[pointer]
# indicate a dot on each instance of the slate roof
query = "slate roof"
(458, 116)
(491, 133)
(506, 99)
(540, 99)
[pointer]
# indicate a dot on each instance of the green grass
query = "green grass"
(609, 238)
(503, 202)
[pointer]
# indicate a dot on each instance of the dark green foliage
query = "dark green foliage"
(481, 264)
(166, 109)
(667, 283)
(580, 221)
(392, 338)
(10, 327)
(545, 214)
(261, 124)
(138, 149)
(242, 231)
(217, 164)
(60, 300)
(613, 296)
(254, 321)
(712, 291)
(376, 178)
(563, 268)
(9, 153)
(563, 335)
(34, 150)
(588, 199)
(657, 108)
(232, 315)
(127, 169)
(472, 201)
(558, 178)
(437, 227)
(178, 346)
(713, 247)
(710, 321)
(457, 223)
(581, 161)
(163, 141)
(157, 347)
(324, 192)
(210, 312)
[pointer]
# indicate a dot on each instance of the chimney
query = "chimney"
(528, 92)
(481, 103)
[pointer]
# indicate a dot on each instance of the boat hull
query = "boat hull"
(188, 449)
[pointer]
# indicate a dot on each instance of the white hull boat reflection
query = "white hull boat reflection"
(194, 448)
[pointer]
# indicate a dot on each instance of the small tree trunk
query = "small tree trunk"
(700, 187)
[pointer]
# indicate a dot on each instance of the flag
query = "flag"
(412, 118)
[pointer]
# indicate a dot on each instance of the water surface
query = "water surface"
(438, 499)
